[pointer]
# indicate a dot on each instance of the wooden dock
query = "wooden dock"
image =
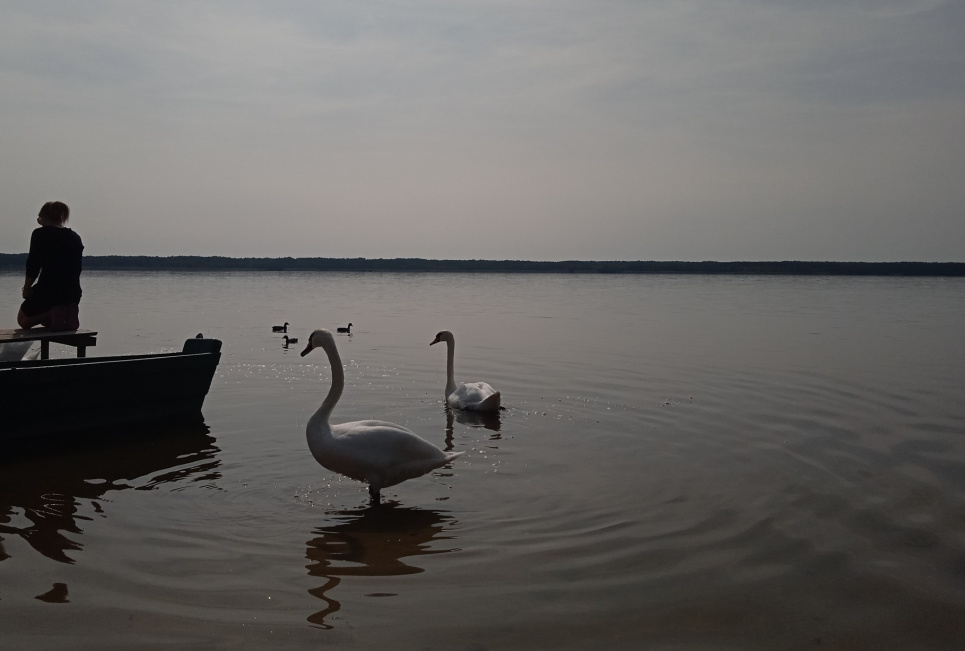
(79, 339)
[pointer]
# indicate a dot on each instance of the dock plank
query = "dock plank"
(79, 339)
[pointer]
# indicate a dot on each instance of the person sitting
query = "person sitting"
(55, 257)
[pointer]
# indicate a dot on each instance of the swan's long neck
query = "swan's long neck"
(450, 366)
(319, 420)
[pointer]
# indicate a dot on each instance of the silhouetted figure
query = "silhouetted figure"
(54, 263)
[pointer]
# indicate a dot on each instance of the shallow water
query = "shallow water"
(684, 462)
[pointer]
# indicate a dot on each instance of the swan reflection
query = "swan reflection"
(372, 542)
(490, 420)
(44, 498)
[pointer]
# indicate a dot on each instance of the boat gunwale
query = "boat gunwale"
(27, 364)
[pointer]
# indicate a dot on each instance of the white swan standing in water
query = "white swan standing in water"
(373, 451)
(469, 396)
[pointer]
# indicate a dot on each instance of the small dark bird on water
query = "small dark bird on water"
(281, 328)
(347, 330)
(290, 340)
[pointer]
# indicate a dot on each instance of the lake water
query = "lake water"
(684, 462)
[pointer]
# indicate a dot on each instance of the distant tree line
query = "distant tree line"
(219, 263)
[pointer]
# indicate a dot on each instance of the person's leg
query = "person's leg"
(34, 311)
(64, 317)
(30, 320)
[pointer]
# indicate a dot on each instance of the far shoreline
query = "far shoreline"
(16, 261)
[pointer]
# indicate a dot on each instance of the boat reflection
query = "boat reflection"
(372, 542)
(54, 487)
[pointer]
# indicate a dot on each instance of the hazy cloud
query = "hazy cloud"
(743, 129)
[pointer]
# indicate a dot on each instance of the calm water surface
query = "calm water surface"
(684, 462)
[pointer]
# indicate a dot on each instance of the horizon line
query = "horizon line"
(193, 263)
(504, 260)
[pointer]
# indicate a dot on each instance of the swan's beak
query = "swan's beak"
(434, 341)
(308, 349)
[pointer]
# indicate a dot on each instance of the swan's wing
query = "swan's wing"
(477, 396)
(373, 446)
(380, 453)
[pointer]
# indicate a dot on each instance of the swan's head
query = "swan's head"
(321, 338)
(445, 336)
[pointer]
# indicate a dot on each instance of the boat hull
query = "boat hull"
(60, 396)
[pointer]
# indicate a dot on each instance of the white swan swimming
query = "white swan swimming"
(373, 451)
(470, 396)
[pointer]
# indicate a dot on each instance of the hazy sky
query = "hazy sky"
(497, 129)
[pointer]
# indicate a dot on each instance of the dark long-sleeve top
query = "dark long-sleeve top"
(56, 256)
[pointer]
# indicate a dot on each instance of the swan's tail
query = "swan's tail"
(491, 403)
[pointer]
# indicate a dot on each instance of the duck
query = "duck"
(290, 340)
(347, 330)
(467, 396)
(281, 328)
(375, 452)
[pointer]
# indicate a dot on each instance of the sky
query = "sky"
(489, 129)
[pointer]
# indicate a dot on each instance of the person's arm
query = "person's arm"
(33, 263)
(28, 287)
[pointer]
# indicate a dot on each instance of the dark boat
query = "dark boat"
(45, 397)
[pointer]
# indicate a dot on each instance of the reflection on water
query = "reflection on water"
(487, 419)
(687, 462)
(46, 495)
(371, 542)
(56, 595)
